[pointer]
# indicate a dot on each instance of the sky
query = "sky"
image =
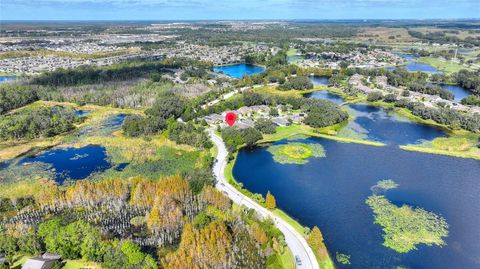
(236, 9)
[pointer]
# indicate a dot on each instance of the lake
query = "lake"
(378, 124)
(458, 91)
(417, 67)
(239, 70)
(326, 95)
(6, 78)
(330, 192)
(72, 163)
(413, 66)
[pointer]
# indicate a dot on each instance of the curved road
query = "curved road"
(295, 241)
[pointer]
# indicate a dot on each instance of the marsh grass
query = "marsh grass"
(296, 153)
(459, 143)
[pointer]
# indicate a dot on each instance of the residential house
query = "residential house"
(281, 121)
(46, 261)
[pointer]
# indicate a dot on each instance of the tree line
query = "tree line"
(35, 122)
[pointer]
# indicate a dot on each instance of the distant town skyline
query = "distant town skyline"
(236, 10)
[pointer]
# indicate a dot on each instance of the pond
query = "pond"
(378, 124)
(239, 70)
(294, 59)
(6, 78)
(326, 95)
(413, 66)
(330, 192)
(418, 67)
(319, 81)
(81, 113)
(458, 91)
(115, 121)
(72, 163)
(465, 50)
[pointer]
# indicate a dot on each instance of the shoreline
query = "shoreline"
(295, 240)
(296, 225)
(403, 112)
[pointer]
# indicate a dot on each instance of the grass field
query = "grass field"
(273, 90)
(291, 52)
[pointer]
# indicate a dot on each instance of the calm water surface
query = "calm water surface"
(73, 163)
(115, 121)
(458, 91)
(380, 125)
(377, 124)
(81, 113)
(238, 70)
(330, 192)
(413, 66)
(326, 95)
(6, 78)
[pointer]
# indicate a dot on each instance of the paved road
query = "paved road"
(295, 241)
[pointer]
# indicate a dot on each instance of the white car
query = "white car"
(298, 260)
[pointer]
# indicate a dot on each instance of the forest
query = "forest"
(139, 223)
(35, 122)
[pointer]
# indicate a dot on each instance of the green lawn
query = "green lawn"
(288, 261)
(79, 264)
(291, 52)
(295, 224)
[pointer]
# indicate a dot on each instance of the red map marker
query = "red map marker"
(230, 118)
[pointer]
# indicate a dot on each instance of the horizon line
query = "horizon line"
(190, 20)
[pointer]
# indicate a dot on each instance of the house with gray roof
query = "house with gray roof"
(46, 261)
(281, 121)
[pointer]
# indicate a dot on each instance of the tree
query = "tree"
(265, 126)
(258, 234)
(6, 204)
(166, 107)
(297, 83)
(374, 96)
(315, 241)
(251, 136)
(29, 244)
(322, 113)
(270, 201)
(8, 246)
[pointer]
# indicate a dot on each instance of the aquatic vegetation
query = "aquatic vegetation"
(15, 173)
(405, 227)
(296, 153)
(343, 258)
(383, 185)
